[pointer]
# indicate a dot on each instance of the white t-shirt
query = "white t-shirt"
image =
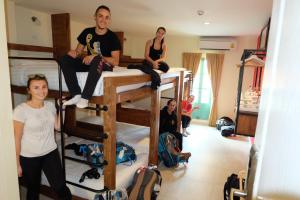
(38, 133)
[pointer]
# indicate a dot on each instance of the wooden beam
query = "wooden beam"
(179, 95)
(23, 90)
(129, 80)
(154, 126)
(109, 117)
(25, 47)
(133, 116)
(61, 34)
(134, 94)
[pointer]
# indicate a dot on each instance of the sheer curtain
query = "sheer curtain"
(191, 62)
(214, 67)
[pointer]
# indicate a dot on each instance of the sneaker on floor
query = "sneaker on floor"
(83, 103)
(73, 101)
(188, 133)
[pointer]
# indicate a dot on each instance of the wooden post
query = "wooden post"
(154, 126)
(61, 34)
(179, 95)
(109, 99)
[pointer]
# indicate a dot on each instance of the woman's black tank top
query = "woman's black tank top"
(155, 54)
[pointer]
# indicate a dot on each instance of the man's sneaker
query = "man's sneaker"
(73, 101)
(83, 103)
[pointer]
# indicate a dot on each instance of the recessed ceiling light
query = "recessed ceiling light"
(200, 12)
(206, 23)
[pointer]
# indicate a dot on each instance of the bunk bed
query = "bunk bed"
(112, 110)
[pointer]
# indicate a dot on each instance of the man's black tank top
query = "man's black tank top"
(155, 54)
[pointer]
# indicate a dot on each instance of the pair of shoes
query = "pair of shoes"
(186, 156)
(83, 103)
(184, 134)
(73, 101)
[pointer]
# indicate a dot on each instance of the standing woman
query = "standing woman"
(36, 149)
(156, 50)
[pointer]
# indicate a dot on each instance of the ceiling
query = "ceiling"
(226, 17)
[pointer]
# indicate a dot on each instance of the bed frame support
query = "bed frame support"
(109, 119)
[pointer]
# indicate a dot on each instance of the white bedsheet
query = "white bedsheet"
(21, 69)
(136, 136)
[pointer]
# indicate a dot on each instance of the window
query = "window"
(202, 91)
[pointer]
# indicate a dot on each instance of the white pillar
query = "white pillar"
(278, 133)
(8, 171)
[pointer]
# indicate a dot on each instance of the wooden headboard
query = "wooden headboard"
(124, 60)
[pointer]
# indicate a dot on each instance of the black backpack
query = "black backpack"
(232, 182)
(224, 121)
(227, 131)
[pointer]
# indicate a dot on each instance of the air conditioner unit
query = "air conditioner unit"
(218, 43)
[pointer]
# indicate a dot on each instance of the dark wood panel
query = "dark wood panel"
(25, 47)
(133, 116)
(120, 35)
(126, 60)
(246, 124)
(61, 34)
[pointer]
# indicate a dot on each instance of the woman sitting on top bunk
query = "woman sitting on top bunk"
(155, 55)
(36, 149)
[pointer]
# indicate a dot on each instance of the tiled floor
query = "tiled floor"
(213, 159)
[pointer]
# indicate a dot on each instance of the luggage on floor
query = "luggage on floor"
(120, 194)
(145, 185)
(224, 121)
(233, 181)
(94, 152)
(168, 151)
(125, 153)
(227, 131)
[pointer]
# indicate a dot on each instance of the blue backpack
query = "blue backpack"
(94, 153)
(168, 151)
(125, 153)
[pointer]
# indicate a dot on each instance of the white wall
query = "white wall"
(278, 134)
(230, 75)
(135, 46)
(8, 171)
(22, 30)
(76, 29)
(11, 30)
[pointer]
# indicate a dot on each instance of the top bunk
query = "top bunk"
(121, 78)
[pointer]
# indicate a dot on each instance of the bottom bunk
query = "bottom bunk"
(133, 135)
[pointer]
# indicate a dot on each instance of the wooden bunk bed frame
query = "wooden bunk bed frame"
(116, 113)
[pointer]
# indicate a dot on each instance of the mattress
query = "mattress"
(20, 69)
(136, 136)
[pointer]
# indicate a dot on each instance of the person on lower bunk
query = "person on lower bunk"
(36, 150)
(103, 49)
(168, 124)
(168, 121)
(155, 55)
(186, 115)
